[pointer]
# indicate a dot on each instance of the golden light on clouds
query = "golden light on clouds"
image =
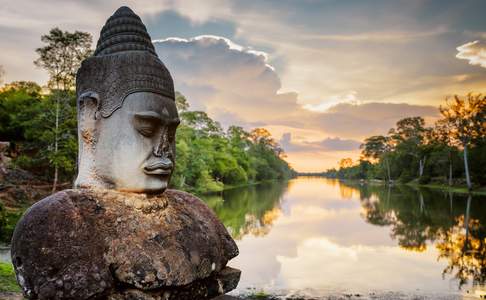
(474, 52)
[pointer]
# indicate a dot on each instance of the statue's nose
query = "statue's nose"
(165, 163)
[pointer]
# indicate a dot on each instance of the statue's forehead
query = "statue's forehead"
(148, 101)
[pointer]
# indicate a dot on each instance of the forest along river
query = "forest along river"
(319, 237)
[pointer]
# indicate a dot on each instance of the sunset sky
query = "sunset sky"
(320, 75)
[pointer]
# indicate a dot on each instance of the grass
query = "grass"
(8, 283)
(260, 295)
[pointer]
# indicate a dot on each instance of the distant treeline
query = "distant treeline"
(207, 156)
(452, 152)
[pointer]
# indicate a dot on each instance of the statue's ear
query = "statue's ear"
(88, 104)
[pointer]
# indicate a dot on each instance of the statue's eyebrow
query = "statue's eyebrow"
(156, 117)
(148, 115)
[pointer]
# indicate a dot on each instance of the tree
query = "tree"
(18, 101)
(263, 137)
(61, 57)
(345, 163)
(209, 158)
(441, 134)
(465, 117)
(378, 147)
(409, 137)
(181, 102)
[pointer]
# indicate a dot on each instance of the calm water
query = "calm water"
(321, 237)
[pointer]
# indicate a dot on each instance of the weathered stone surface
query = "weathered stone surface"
(85, 244)
(208, 288)
(127, 117)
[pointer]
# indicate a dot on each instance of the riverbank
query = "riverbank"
(228, 187)
(344, 296)
(453, 189)
(460, 189)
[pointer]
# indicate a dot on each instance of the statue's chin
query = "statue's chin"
(152, 187)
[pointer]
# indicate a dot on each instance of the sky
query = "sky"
(320, 75)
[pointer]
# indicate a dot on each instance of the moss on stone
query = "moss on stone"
(8, 283)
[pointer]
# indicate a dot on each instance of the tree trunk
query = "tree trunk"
(422, 166)
(451, 196)
(56, 146)
(387, 171)
(466, 168)
(422, 202)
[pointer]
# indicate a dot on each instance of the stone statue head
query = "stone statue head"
(127, 116)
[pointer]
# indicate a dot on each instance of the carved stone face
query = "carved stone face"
(134, 148)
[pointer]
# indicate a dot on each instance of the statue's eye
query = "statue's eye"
(146, 125)
(146, 130)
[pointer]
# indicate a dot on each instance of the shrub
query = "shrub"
(425, 179)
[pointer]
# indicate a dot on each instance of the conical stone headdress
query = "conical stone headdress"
(123, 63)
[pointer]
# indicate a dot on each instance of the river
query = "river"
(321, 238)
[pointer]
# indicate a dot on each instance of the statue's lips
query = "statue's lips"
(158, 168)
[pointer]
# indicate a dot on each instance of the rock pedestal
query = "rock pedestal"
(105, 244)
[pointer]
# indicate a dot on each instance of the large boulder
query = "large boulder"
(99, 244)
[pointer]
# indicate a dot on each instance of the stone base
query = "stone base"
(97, 244)
(209, 288)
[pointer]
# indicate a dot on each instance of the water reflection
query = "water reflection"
(250, 210)
(455, 224)
(321, 237)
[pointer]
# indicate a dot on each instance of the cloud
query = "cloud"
(349, 97)
(362, 120)
(222, 77)
(338, 144)
(327, 144)
(474, 52)
(380, 36)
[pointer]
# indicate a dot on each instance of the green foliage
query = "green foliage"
(28, 121)
(8, 283)
(406, 176)
(18, 102)
(62, 55)
(8, 219)
(425, 179)
(209, 158)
